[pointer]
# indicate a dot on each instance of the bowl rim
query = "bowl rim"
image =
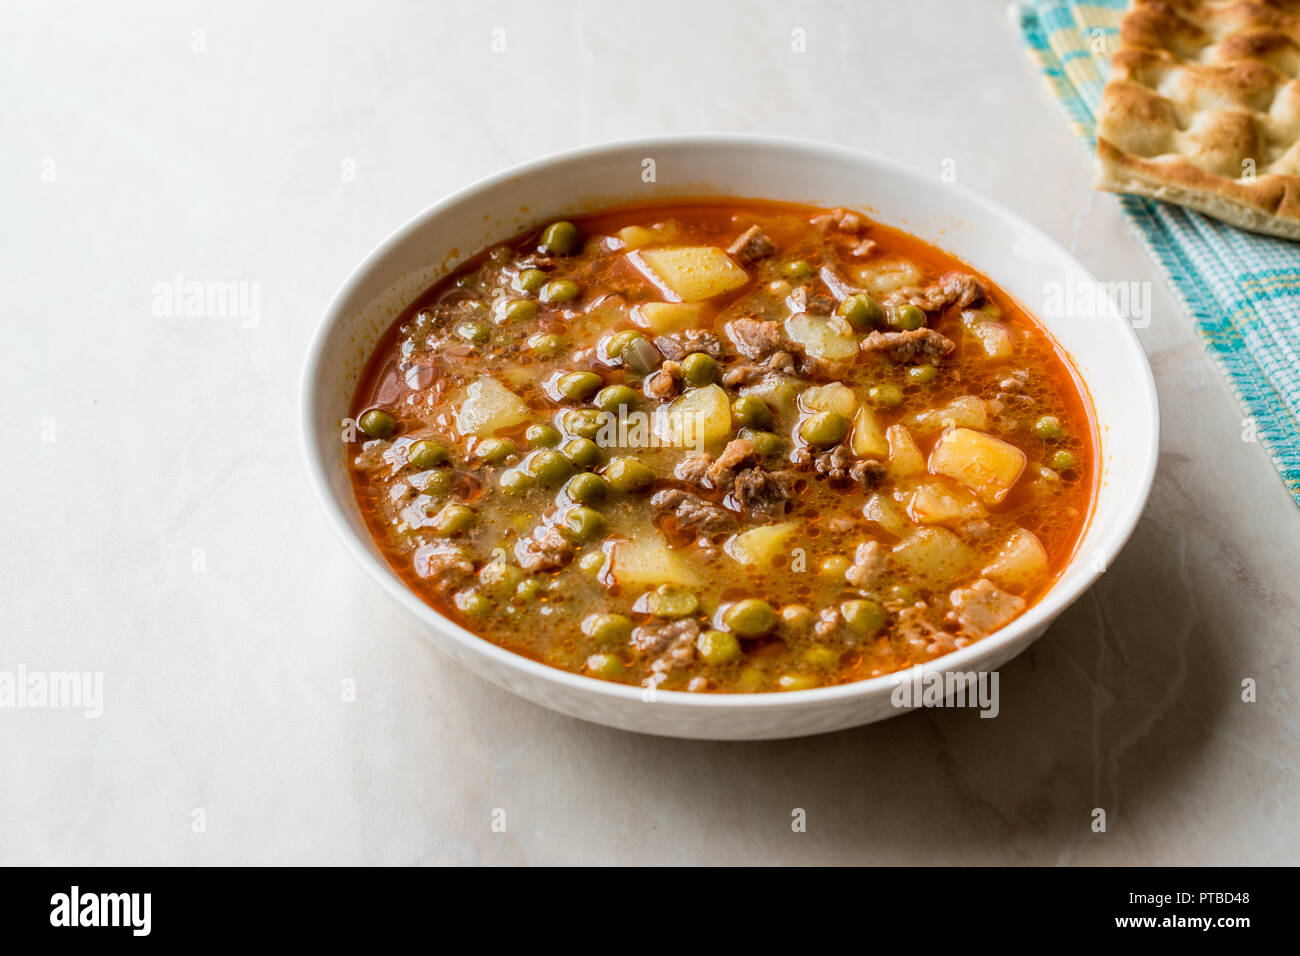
(1037, 616)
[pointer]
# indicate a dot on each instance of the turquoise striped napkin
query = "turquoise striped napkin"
(1242, 290)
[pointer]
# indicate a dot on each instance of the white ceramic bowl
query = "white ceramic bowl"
(1017, 256)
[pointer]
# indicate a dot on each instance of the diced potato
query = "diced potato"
(646, 561)
(758, 546)
(834, 397)
(994, 338)
(664, 317)
(634, 237)
(936, 503)
(701, 416)
(905, 458)
(933, 557)
(868, 439)
(966, 411)
(821, 339)
(691, 273)
(1020, 564)
(986, 465)
(489, 406)
(886, 513)
(888, 275)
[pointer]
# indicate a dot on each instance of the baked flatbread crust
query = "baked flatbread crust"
(1203, 109)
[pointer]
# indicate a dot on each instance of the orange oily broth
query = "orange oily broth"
(547, 626)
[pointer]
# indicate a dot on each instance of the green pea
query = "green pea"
(519, 310)
(530, 280)
(377, 424)
(908, 318)
(592, 562)
(548, 467)
(903, 594)
(619, 341)
(607, 629)
(542, 436)
(751, 617)
(1062, 461)
(821, 656)
(586, 488)
(885, 396)
(797, 270)
(559, 290)
(474, 604)
(861, 311)
(426, 453)
(528, 589)
(765, 443)
(476, 332)
(585, 422)
(584, 522)
(605, 666)
(560, 239)
(500, 578)
(862, 618)
(717, 647)
(824, 429)
(583, 452)
(796, 682)
(751, 680)
(546, 344)
(514, 481)
(668, 601)
(1049, 428)
(436, 483)
(635, 352)
(751, 412)
(922, 374)
(495, 450)
(797, 618)
(613, 398)
(835, 566)
(578, 386)
(628, 474)
(699, 369)
(453, 519)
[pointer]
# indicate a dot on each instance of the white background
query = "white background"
(214, 141)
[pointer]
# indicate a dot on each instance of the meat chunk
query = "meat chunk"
(677, 346)
(779, 363)
(839, 220)
(691, 512)
(546, 549)
(755, 338)
(739, 451)
(983, 607)
(694, 469)
(909, 348)
(868, 565)
(839, 465)
(665, 383)
(763, 493)
(952, 288)
(919, 634)
(445, 565)
(751, 246)
(671, 642)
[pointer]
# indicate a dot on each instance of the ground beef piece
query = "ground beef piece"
(869, 473)
(755, 338)
(751, 246)
(983, 607)
(445, 565)
(673, 643)
(546, 549)
(739, 451)
(863, 249)
(691, 512)
(920, 636)
(677, 346)
(867, 567)
(839, 220)
(763, 493)
(909, 348)
(665, 383)
(780, 363)
(839, 465)
(952, 288)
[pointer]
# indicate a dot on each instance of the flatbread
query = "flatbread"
(1203, 109)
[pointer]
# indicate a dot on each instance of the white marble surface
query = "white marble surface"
(166, 535)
